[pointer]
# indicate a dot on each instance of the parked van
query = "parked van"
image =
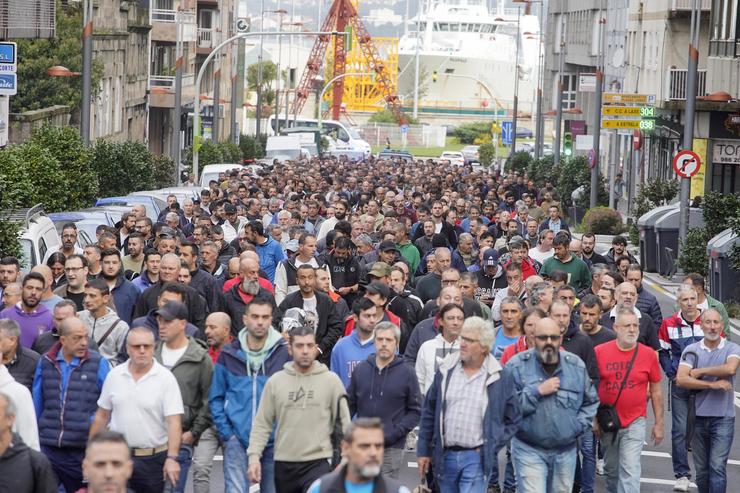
(37, 235)
(347, 137)
(211, 172)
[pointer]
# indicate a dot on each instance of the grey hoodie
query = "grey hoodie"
(25, 419)
(97, 328)
(304, 407)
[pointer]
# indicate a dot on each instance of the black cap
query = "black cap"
(173, 310)
(380, 288)
(230, 209)
(387, 245)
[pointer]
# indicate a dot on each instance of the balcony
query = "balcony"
(164, 17)
(679, 5)
(208, 38)
(677, 80)
(162, 89)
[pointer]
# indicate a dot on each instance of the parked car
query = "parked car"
(525, 147)
(471, 154)
(37, 235)
(86, 221)
(524, 133)
(211, 172)
(454, 157)
(547, 150)
(152, 204)
(396, 154)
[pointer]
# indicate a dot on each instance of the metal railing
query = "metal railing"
(677, 80)
(688, 4)
(170, 16)
(206, 37)
(168, 81)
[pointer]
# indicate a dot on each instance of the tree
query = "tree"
(37, 90)
(163, 171)
(269, 75)
(575, 173)
(123, 167)
(387, 116)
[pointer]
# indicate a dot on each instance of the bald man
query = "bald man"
(244, 291)
(48, 298)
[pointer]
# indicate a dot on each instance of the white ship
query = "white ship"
(471, 52)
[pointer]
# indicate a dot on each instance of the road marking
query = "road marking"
(670, 295)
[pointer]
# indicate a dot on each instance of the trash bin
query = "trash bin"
(646, 228)
(666, 233)
(724, 281)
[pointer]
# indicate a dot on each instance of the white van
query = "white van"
(211, 172)
(349, 137)
(38, 235)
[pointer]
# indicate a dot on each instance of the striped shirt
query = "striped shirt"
(464, 399)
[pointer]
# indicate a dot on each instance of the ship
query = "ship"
(468, 58)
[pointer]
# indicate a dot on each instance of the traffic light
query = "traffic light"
(567, 143)
(434, 76)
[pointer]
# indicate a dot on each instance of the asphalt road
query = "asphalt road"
(657, 470)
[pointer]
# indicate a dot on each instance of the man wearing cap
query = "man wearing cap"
(356, 347)
(187, 359)
(491, 278)
(285, 274)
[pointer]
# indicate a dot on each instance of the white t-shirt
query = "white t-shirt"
(139, 408)
(540, 256)
(172, 356)
(309, 306)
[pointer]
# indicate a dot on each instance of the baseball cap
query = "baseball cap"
(490, 257)
(376, 287)
(515, 239)
(291, 246)
(387, 245)
(380, 269)
(230, 209)
(173, 310)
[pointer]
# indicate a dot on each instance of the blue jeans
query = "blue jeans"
(509, 477)
(463, 472)
(587, 446)
(710, 448)
(540, 470)
(236, 464)
(679, 415)
(622, 457)
(184, 458)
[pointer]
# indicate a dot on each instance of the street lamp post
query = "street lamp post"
(415, 113)
(87, 32)
(516, 79)
(201, 72)
(328, 85)
(258, 113)
(280, 13)
(178, 95)
(594, 196)
(559, 107)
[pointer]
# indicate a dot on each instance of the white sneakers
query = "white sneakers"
(600, 464)
(682, 484)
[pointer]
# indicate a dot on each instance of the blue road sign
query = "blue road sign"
(7, 52)
(8, 85)
(506, 132)
(404, 128)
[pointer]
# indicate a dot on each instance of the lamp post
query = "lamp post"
(516, 79)
(559, 102)
(594, 196)
(201, 72)
(415, 113)
(328, 85)
(258, 113)
(278, 75)
(87, 32)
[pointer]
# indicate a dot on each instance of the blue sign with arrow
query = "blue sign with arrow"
(507, 129)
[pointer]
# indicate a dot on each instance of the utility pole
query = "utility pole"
(258, 113)
(688, 127)
(539, 135)
(87, 42)
(594, 197)
(516, 79)
(559, 107)
(177, 111)
(216, 99)
(278, 74)
(415, 112)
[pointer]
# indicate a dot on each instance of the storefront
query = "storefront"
(724, 151)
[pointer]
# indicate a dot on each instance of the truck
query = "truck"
(284, 147)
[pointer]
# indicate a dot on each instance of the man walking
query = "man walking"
(558, 402)
(305, 391)
(579, 276)
(20, 361)
(242, 370)
(469, 413)
(104, 326)
(66, 387)
(708, 367)
(384, 386)
(141, 400)
(628, 371)
(356, 347)
(32, 317)
(107, 464)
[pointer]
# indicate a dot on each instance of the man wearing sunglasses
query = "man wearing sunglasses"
(558, 402)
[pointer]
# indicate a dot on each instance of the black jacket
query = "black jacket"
(448, 231)
(194, 301)
(334, 483)
(235, 306)
(23, 366)
(580, 344)
(330, 326)
(26, 471)
(596, 259)
(208, 287)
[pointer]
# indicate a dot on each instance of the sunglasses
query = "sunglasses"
(544, 338)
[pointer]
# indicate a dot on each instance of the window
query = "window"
(570, 86)
(725, 29)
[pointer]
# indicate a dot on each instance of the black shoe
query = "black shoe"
(493, 488)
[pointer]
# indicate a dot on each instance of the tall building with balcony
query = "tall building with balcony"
(203, 24)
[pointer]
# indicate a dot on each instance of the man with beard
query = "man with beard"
(441, 226)
(68, 244)
(588, 243)
(270, 251)
(32, 317)
(363, 448)
(10, 272)
(545, 447)
(124, 293)
(241, 294)
(344, 269)
(628, 371)
(340, 214)
(104, 326)
(133, 263)
(619, 248)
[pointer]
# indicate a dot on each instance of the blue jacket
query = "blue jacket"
(125, 296)
(556, 420)
(65, 396)
(347, 353)
(142, 282)
(271, 254)
(423, 332)
(391, 394)
(648, 304)
(500, 421)
(236, 391)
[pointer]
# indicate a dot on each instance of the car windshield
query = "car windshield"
(26, 254)
(353, 133)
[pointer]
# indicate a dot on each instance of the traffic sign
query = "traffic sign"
(8, 85)
(591, 158)
(646, 124)
(627, 98)
(620, 110)
(404, 128)
(8, 52)
(506, 132)
(686, 163)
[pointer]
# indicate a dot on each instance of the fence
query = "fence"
(377, 134)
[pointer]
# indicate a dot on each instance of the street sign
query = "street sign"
(8, 52)
(632, 124)
(591, 158)
(726, 152)
(686, 163)
(587, 83)
(8, 85)
(584, 142)
(404, 128)
(621, 111)
(506, 132)
(616, 97)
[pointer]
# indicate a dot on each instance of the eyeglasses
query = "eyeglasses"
(72, 269)
(546, 337)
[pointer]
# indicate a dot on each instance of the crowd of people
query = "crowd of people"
(317, 322)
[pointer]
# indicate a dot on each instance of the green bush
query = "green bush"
(387, 116)
(8, 230)
(468, 132)
(651, 194)
(230, 152)
(602, 221)
(163, 171)
(122, 167)
(572, 173)
(693, 256)
(486, 152)
(717, 208)
(519, 161)
(34, 176)
(543, 169)
(251, 148)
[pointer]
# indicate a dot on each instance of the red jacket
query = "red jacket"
(264, 283)
(349, 324)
